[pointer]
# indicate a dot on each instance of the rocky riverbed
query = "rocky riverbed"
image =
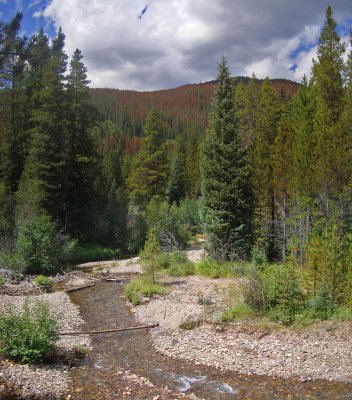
(44, 381)
(320, 352)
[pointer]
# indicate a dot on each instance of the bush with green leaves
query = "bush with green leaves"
(168, 224)
(91, 252)
(43, 282)
(275, 291)
(39, 248)
(142, 287)
(2, 280)
(149, 256)
(174, 263)
(29, 335)
(328, 261)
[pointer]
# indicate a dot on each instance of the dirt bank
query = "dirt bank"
(320, 352)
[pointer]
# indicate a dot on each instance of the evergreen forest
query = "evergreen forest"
(261, 169)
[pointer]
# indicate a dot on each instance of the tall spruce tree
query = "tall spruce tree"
(150, 167)
(81, 155)
(43, 183)
(177, 181)
(328, 77)
(226, 192)
(262, 170)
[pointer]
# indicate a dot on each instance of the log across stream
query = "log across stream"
(104, 307)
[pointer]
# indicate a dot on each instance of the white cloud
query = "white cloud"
(180, 41)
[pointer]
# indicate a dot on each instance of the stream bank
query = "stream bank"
(125, 365)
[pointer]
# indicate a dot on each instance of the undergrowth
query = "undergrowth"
(142, 287)
(29, 335)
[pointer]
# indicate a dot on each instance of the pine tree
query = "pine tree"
(281, 160)
(226, 194)
(262, 171)
(177, 181)
(247, 99)
(150, 167)
(328, 78)
(13, 103)
(43, 183)
(81, 154)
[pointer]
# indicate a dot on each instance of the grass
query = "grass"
(238, 311)
(43, 282)
(215, 270)
(142, 287)
(87, 253)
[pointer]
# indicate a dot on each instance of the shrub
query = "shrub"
(259, 256)
(238, 311)
(141, 286)
(43, 282)
(343, 313)
(182, 269)
(275, 291)
(2, 280)
(167, 223)
(149, 255)
(189, 325)
(174, 263)
(40, 248)
(91, 252)
(322, 305)
(29, 335)
(214, 269)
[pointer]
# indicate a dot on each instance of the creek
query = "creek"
(104, 306)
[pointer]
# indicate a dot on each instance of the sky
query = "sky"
(160, 44)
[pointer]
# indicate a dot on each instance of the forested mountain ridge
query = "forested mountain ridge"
(182, 108)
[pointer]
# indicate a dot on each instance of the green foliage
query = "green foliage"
(28, 335)
(226, 192)
(259, 256)
(88, 252)
(275, 291)
(174, 263)
(150, 167)
(214, 269)
(40, 248)
(149, 256)
(176, 189)
(170, 223)
(328, 263)
(142, 286)
(2, 280)
(137, 229)
(343, 313)
(43, 282)
(189, 325)
(238, 311)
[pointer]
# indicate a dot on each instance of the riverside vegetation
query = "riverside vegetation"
(268, 183)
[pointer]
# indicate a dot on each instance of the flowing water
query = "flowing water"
(103, 307)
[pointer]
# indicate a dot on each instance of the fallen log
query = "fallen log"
(75, 289)
(112, 280)
(127, 328)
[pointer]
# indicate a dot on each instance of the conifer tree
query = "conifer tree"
(81, 155)
(150, 167)
(328, 78)
(177, 181)
(226, 193)
(247, 99)
(281, 160)
(43, 184)
(262, 171)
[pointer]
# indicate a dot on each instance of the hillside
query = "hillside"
(183, 109)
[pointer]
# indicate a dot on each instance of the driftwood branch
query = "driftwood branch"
(75, 289)
(128, 328)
